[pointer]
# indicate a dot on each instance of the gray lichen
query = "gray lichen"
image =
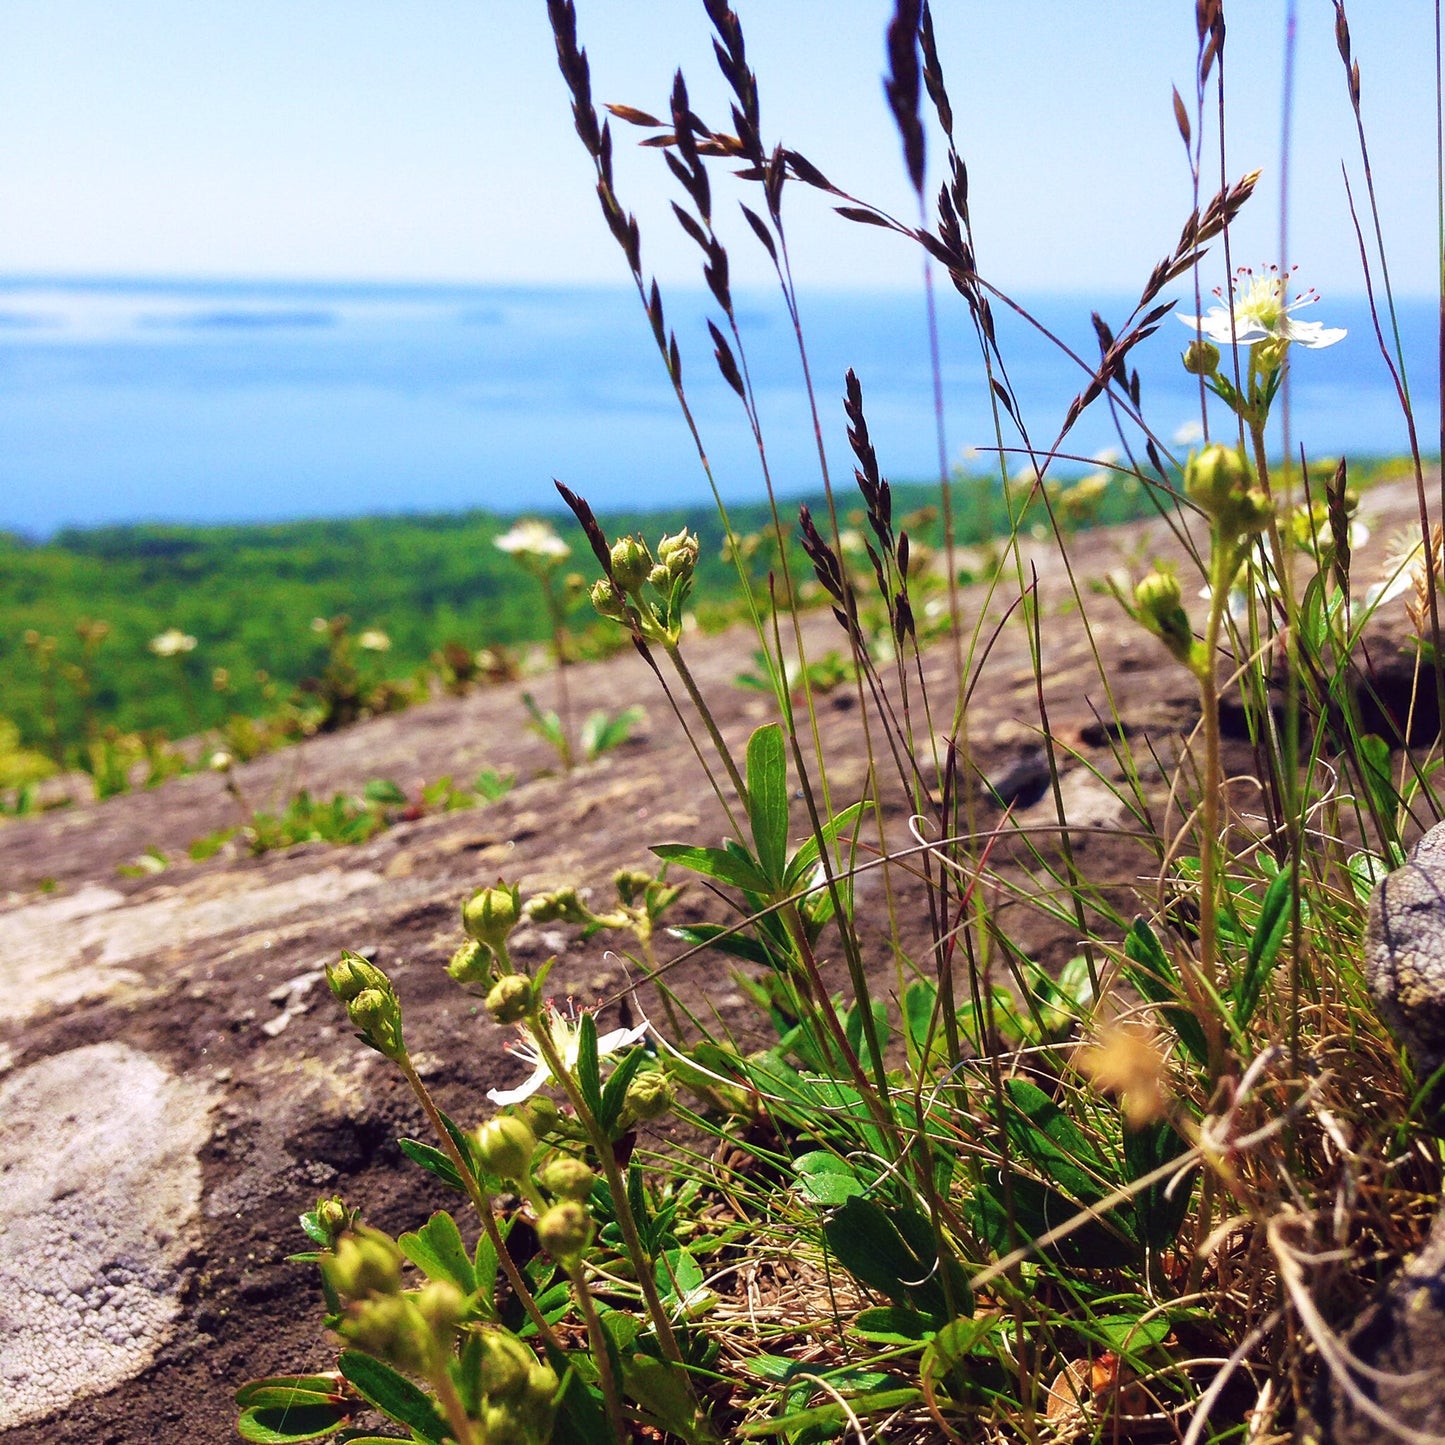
(99, 1183)
(1405, 952)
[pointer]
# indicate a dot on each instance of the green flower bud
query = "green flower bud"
(391, 1328)
(505, 1146)
(506, 1364)
(631, 562)
(1158, 598)
(537, 1403)
(333, 1216)
(1246, 514)
(471, 963)
(541, 1115)
(631, 884)
(561, 905)
(1201, 358)
(440, 1304)
(565, 1230)
(649, 1096)
(1215, 476)
(566, 1177)
(502, 1424)
(608, 601)
(376, 1015)
(1270, 354)
(660, 577)
(679, 554)
(365, 1262)
(351, 973)
(510, 999)
(490, 914)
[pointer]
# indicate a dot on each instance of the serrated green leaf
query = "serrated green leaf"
(437, 1250)
(394, 1395)
(768, 802)
(740, 871)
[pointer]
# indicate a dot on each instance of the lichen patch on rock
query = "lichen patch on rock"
(99, 1183)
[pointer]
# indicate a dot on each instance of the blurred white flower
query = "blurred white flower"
(1262, 312)
(532, 538)
(374, 640)
(172, 643)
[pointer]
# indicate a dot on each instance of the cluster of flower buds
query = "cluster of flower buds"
(488, 916)
(558, 905)
(371, 1003)
(633, 568)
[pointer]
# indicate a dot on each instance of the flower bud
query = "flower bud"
(351, 973)
(560, 905)
(566, 1177)
(377, 1017)
(1270, 354)
(506, 1363)
(471, 963)
(505, 1146)
(1201, 358)
(1215, 476)
(541, 1114)
(649, 1096)
(565, 1230)
(365, 1262)
(510, 998)
(536, 1404)
(1158, 598)
(1247, 513)
(608, 601)
(502, 1424)
(678, 554)
(490, 914)
(631, 562)
(391, 1328)
(631, 884)
(440, 1304)
(332, 1216)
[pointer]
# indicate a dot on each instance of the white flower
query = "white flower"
(565, 1035)
(172, 643)
(1262, 312)
(374, 640)
(531, 538)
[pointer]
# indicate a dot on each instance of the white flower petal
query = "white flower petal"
(539, 1076)
(609, 1043)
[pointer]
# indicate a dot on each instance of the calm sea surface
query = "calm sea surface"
(178, 401)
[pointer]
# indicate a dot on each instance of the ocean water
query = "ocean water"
(182, 401)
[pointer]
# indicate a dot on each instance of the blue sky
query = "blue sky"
(392, 140)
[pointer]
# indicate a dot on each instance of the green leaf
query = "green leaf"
(919, 1001)
(1148, 968)
(437, 1250)
(893, 1325)
(1264, 946)
(285, 1390)
(1128, 1333)
(1046, 1136)
(277, 1424)
(589, 1069)
(955, 1342)
(1037, 1209)
(867, 1243)
(806, 858)
(725, 940)
(384, 791)
(1157, 1215)
(615, 1094)
(681, 1280)
(394, 1395)
(768, 802)
(433, 1161)
(1374, 756)
(875, 1402)
(663, 1390)
(581, 1418)
(738, 870)
(826, 1179)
